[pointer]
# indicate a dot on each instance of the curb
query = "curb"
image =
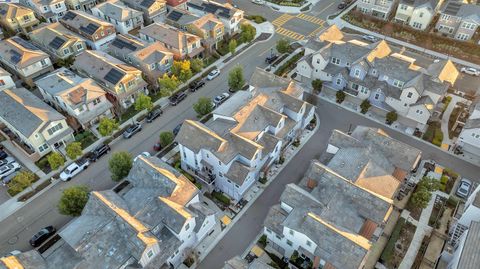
(242, 212)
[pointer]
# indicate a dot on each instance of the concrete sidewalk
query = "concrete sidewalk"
(446, 116)
(292, 10)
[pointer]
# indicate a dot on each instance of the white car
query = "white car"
(219, 99)
(259, 2)
(6, 161)
(464, 188)
(143, 154)
(470, 71)
(215, 73)
(74, 169)
(370, 38)
(8, 169)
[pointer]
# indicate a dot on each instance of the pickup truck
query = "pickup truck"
(74, 169)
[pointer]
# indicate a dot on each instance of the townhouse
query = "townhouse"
(37, 128)
(417, 13)
(50, 10)
(459, 20)
(337, 212)
(464, 216)
(16, 18)
(82, 99)
(465, 254)
(6, 80)
(153, 10)
(176, 4)
(377, 8)
(469, 138)
(230, 17)
(180, 43)
(83, 5)
(23, 59)
(389, 81)
(153, 59)
(97, 33)
(207, 27)
(121, 81)
(153, 223)
(124, 18)
(246, 135)
(58, 41)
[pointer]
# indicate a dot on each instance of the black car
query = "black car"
(271, 58)
(342, 5)
(3, 155)
(177, 129)
(133, 129)
(42, 236)
(177, 98)
(196, 85)
(98, 152)
(153, 115)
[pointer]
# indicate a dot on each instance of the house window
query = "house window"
(102, 33)
(96, 101)
(309, 243)
(130, 83)
(236, 186)
(58, 5)
(468, 25)
(66, 51)
(403, 7)
(318, 61)
(79, 47)
(462, 36)
(409, 95)
(290, 243)
(219, 163)
(152, 67)
(335, 60)
(417, 25)
(55, 128)
(43, 147)
(292, 232)
(419, 111)
(268, 231)
(421, 15)
(187, 227)
(357, 73)
(26, 18)
(278, 237)
(398, 83)
(377, 95)
(339, 81)
(45, 8)
(150, 254)
(43, 62)
(445, 17)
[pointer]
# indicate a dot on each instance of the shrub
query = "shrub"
(120, 164)
(263, 180)
(391, 117)
(317, 85)
(73, 200)
(256, 18)
(74, 150)
(283, 45)
(262, 241)
(221, 198)
(365, 105)
(340, 95)
(166, 138)
(55, 160)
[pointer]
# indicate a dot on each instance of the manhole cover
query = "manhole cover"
(13, 240)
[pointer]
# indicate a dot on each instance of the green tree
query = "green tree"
(317, 85)
(166, 138)
(364, 106)
(203, 106)
(73, 200)
(283, 45)
(21, 181)
(196, 65)
(181, 69)
(143, 102)
(235, 78)
(55, 160)
(232, 46)
(120, 164)
(168, 84)
(391, 117)
(107, 126)
(74, 150)
(340, 96)
(67, 62)
(423, 192)
(247, 33)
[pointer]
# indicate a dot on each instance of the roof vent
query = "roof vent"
(342, 164)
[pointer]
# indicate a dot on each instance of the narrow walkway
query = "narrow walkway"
(422, 230)
(446, 117)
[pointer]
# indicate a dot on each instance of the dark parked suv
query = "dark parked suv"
(42, 236)
(196, 85)
(98, 152)
(177, 98)
(271, 58)
(153, 115)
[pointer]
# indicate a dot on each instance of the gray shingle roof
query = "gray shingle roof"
(470, 256)
(465, 11)
(25, 111)
(472, 124)
(26, 260)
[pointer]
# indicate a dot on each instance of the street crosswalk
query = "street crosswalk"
(311, 19)
(282, 20)
(290, 34)
(316, 31)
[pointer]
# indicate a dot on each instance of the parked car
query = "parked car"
(215, 73)
(133, 129)
(196, 85)
(177, 98)
(42, 236)
(177, 129)
(7, 170)
(98, 152)
(153, 115)
(219, 99)
(143, 154)
(157, 146)
(6, 161)
(470, 71)
(259, 2)
(3, 155)
(271, 58)
(74, 169)
(370, 38)
(342, 5)
(464, 187)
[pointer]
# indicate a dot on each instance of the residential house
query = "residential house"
(83, 5)
(38, 128)
(153, 223)
(23, 59)
(16, 18)
(31, 259)
(153, 59)
(97, 33)
(176, 4)
(377, 8)
(469, 138)
(81, 98)
(465, 254)
(459, 20)
(6, 80)
(246, 135)
(417, 13)
(226, 13)
(239, 263)
(208, 27)
(122, 82)
(124, 18)
(463, 218)
(389, 81)
(338, 211)
(50, 10)
(153, 10)
(180, 43)
(58, 41)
